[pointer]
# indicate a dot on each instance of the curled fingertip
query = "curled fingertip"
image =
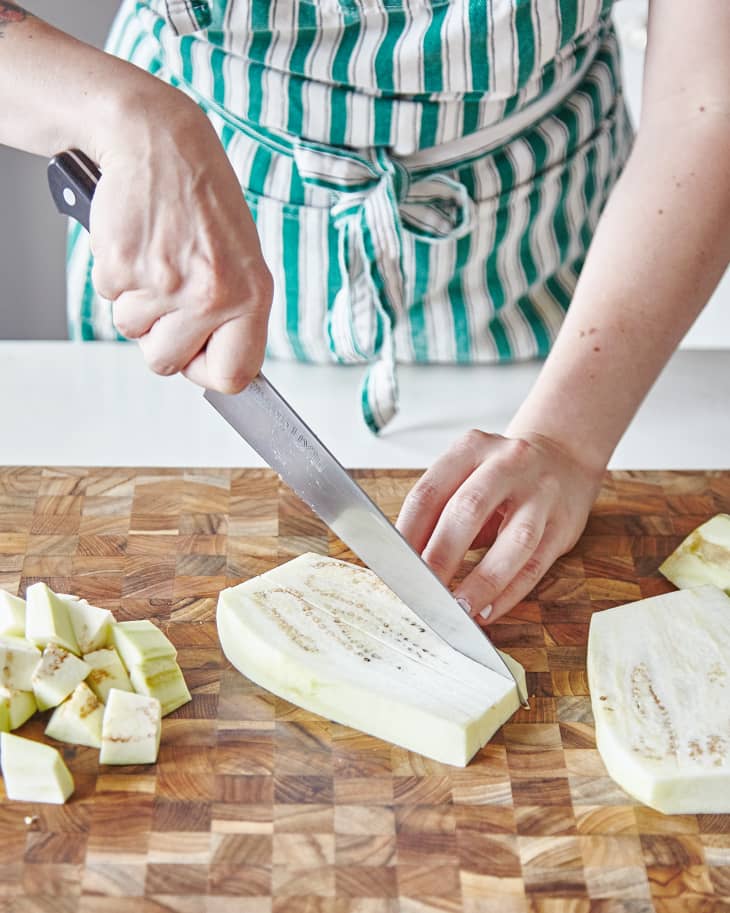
(464, 604)
(485, 612)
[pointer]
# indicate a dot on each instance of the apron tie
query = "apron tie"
(376, 202)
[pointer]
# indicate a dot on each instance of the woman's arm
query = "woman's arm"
(180, 258)
(58, 93)
(662, 245)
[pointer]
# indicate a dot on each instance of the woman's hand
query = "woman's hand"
(174, 244)
(525, 498)
(175, 247)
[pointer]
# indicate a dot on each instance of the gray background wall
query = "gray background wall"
(32, 234)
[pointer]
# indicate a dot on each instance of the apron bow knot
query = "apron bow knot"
(377, 203)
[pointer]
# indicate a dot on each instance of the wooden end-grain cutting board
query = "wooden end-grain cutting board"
(258, 807)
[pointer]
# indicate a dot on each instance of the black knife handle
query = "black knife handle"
(72, 179)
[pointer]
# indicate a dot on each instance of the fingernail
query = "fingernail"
(464, 604)
(485, 612)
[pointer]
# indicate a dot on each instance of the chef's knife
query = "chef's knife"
(264, 419)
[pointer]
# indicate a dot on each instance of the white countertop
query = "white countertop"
(96, 404)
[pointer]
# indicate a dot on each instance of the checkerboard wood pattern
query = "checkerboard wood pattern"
(258, 807)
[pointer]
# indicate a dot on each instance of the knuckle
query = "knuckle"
(438, 563)
(125, 326)
(532, 570)
(263, 285)
(468, 506)
(489, 580)
(111, 274)
(210, 299)
(470, 444)
(549, 485)
(526, 535)
(234, 379)
(162, 365)
(219, 296)
(167, 278)
(104, 282)
(424, 495)
(516, 451)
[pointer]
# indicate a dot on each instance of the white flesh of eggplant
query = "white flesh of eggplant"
(331, 637)
(659, 677)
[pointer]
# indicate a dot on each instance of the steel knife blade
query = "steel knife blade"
(264, 419)
(269, 424)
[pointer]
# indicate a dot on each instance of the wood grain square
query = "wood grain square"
(367, 849)
(47, 847)
(251, 752)
(15, 523)
(363, 790)
(421, 790)
(584, 762)
(675, 881)
(358, 755)
(713, 824)
(54, 880)
(253, 517)
(611, 820)
(432, 881)
(589, 790)
(545, 821)
(239, 880)
(100, 546)
(542, 708)
(244, 790)
(486, 819)
(425, 819)
(486, 789)
(303, 851)
(650, 821)
(249, 556)
(176, 878)
(617, 883)
(117, 879)
(541, 791)
(681, 851)
(720, 879)
(489, 854)
(242, 849)
(501, 892)
(234, 818)
(427, 847)
(303, 748)
(209, 524)
(366, 881)
(536, 765)
(318, 881)
(364, 819)
(578, 735)
(303, 789)
(716, 849)
(12, 847)
(241, 699)
(180, 847)
(305, 819)
(49, 545)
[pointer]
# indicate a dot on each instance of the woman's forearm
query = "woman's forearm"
(57, 92)
(659, 251)
(661, 246)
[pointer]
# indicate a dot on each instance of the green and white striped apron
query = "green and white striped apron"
(425, 177)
